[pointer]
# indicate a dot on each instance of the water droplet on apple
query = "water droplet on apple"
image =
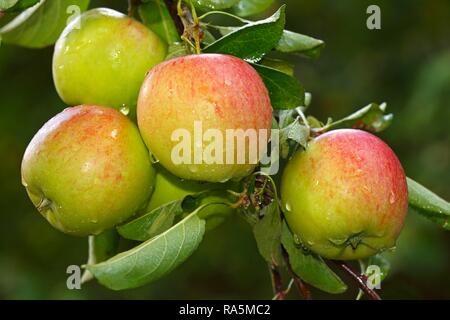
(297, 240)
(310, 243)
(124, 109)
(288, 207)
(114, 134)
(94, 221)
(193, 168)
(227, 82)
(392, 197)
(153, 159)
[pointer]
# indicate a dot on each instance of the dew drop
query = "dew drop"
(310, 243)
(153, 159)
(114, 134)
(392, 197)
(193, 168)
(297, 240)
(124, 109)
(288, 207)
(94, 221)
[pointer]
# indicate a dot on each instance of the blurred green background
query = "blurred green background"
(406, 64)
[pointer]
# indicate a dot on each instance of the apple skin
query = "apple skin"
(105, 60)
(345, 197)
(169, 188)
(87, 170)
(221, 91)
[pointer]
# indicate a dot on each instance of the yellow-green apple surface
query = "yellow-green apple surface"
(102, 57)
(192, 102)
(87, 170)
(169, 188)
(345, 197)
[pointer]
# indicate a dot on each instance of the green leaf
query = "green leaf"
(295, 132)
(177, 49)
(41, 25)
(156, 16)
(292, 42)
(310, 267)
(153, 223)
(372, 117)
(208, 37)
(245, 8)
(7, 4)
(101, 248)
(280, 65)
(17, 5)
(267, 232)
(152, 259)
(252, 41)
(428, 203)
(214, 4)
(285, 91)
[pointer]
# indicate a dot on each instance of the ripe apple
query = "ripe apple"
(219, 94)
(345, 197)
(102, 57)
(170, 188)
(87, 170)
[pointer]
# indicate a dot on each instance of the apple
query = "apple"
(102, 57)
(195, 102)
(345, 197)
(87, 170)
(169, 188)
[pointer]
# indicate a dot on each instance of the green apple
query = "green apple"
(345, 197)
(211, 94)
(102, 57)
(170, 188)
(87, 170)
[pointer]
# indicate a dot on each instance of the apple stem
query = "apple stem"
(360, 279)
(132, 5)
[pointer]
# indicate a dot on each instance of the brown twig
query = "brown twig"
(132, 5)
(277, 283)
(301, 286)
(172, 7)
(361, 279)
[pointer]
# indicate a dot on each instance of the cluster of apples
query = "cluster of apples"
(88, 168)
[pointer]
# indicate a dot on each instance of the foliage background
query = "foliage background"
(406, 63)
